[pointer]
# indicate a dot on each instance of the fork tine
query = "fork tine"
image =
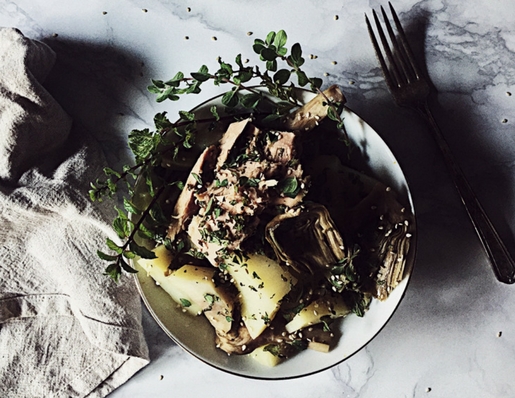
(402, 58)
(382, 62)
(386, 47)
(404, 41)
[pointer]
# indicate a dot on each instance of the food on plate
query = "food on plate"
(273, 237)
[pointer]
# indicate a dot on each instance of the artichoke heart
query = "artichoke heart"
(306, 239)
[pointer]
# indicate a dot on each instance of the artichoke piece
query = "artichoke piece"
(307, 239)
(308, 116)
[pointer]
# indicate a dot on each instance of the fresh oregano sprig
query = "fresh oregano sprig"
(171, 139)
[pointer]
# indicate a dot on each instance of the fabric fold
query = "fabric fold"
(66, 330)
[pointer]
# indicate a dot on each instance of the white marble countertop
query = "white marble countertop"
(454, 333)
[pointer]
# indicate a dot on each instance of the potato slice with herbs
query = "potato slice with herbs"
(262, 284)
(193, 288)
(331, 306)
(265, 356)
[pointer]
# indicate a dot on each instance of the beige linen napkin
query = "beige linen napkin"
(66, 330)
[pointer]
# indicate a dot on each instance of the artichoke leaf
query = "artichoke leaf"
(306, 239)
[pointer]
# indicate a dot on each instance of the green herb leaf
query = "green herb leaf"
(289, 187)
(214, 112)
(113, 271)
(141, 251)
(113, 246)
(280, 39)
(230, 99)
(126, 267)
(129, 207)
(282, 76)
(189, 116)
(185, 303)
(197, 178)
(106, 257)
(250, 101)
(273, 349)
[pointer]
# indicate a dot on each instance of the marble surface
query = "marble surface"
(454, 333)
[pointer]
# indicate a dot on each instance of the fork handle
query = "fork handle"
(500, 259)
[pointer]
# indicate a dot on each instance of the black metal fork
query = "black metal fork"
(410, 88)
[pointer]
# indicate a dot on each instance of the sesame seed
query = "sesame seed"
(334, 63)
(144, 10)
(326, 74)
(104, 12)
(249, 33)
(188, 9)
(504, 121)
(336, 17)
(388, 189)
(499, 334)
(55, 35)
(508, 94)
(214, 38)
(428, 389)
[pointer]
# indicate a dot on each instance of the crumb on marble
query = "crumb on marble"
(499, 334)
(186, 37)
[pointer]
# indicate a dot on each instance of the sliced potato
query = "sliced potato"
(265, 357)
(193, 288)
(321, 347)
(262, 283)
(331, 306)
(157, 266)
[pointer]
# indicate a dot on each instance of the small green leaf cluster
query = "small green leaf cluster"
(273, 48)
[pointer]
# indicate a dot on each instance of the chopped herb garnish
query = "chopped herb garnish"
(185, 303)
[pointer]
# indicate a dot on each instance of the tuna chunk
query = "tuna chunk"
(186, 205)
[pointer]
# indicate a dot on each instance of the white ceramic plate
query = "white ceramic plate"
(197, 336)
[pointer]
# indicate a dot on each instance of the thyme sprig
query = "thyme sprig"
(168, 139)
